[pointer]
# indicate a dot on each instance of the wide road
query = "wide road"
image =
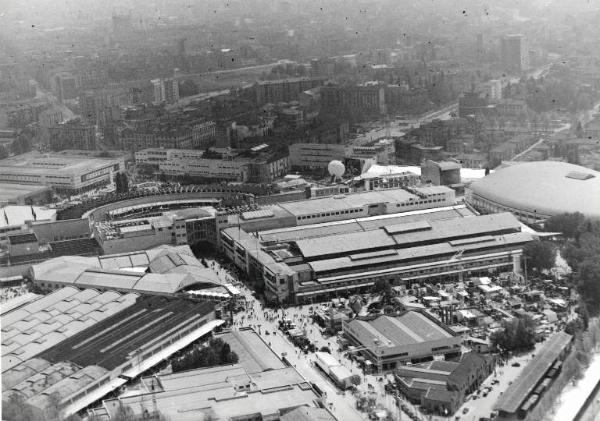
(253, 316)
(267, 66)
(396, 130)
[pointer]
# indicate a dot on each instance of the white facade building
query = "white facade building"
(65, 171)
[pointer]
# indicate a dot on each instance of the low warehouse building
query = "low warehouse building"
(389, 341)
(73, 347)
(259, 387)
(164, 270)
(441, 386)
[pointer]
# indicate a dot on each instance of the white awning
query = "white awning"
(138, 369)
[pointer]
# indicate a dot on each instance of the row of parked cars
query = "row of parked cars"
(298, 338)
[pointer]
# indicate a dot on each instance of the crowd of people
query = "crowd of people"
(8, 293)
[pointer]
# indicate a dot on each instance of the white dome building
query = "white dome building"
(534, 191)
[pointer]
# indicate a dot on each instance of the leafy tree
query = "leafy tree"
(541, 255)
(124, 413)
(121, 183)
(588, 276)
(384, 288)
(217, 352)
(3, 152)
(389, 309)
(124, 183)
(118, 185)
(573, 255)
(515, 335)
(225, 352)
(579, 130)
(355, 379)
(567, 223)
(574, 327)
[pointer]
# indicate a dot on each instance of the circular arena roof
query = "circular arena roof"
(544, 187)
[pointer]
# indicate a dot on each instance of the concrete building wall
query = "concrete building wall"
(315, 155)
(141, 242)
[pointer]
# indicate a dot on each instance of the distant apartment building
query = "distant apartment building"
(20, 115)
(410, 151)
(283, 90)
(472, 160)
(157, 156)
(72, 134)
(165, 90)
(592, 129)
(221, 169)
(65, 86)
(251, 166)
(234, 132)
(315, 155)
(474, 103)
(291, 117)
(322, 67)
(369, 97)
(50, 117)
(511, 107)
(382, 151)
(507, 150)
(494, 89)
(198, 135)
(95, 102)
(203, 134)
(143, 94)
(463, 143)
(501, 153)
(514, 53)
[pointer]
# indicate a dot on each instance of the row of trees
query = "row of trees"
(540, 255)
(217, 352)
(581, 250)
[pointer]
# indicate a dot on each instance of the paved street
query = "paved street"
(483, 406)
(342, 404)
(380, 131)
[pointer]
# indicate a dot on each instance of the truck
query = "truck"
(340, 375)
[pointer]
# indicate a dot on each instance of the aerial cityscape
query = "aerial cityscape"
(300, 210)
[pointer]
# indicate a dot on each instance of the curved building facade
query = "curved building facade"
(535, 191)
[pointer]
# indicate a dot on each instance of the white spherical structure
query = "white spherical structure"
(336, 168)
